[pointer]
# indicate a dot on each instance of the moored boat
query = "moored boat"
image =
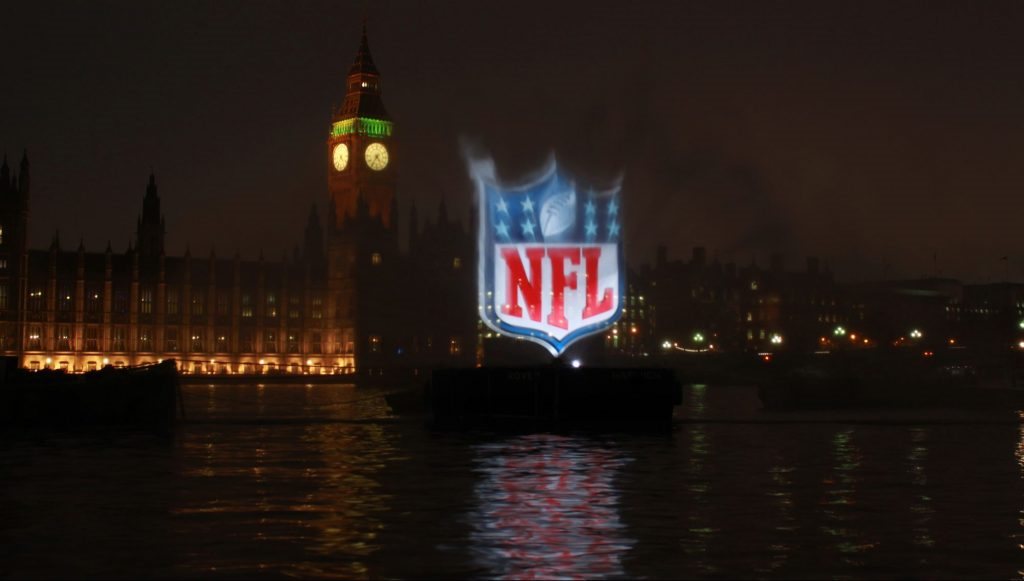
(893, 380)
(144, 396)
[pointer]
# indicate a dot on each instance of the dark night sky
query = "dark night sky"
(868, 134)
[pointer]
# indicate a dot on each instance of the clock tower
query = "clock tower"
(361, 162)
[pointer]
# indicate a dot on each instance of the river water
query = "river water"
(324, 481)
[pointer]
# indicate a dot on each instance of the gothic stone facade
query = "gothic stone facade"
(340, 305)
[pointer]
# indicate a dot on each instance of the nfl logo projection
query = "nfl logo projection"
(551, 267)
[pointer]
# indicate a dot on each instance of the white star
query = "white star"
(502, 229)
(591, 229)
(613, 208)
(528, 227)
(613, 230)
(502, 206)
(528, 205)
(591, 209)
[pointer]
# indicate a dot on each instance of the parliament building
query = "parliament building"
(338, 306)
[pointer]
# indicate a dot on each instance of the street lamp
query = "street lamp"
(776, 339)
(916, 334)
(839, 331)
(698, 338)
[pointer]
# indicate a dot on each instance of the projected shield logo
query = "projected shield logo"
(550, 258)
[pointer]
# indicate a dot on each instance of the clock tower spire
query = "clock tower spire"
(360, 157)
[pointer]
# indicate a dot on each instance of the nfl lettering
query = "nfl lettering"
(550, 259)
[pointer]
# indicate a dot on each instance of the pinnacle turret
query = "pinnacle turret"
(362, 94)
(150, 230)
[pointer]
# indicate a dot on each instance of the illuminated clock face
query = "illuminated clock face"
(377, 156)
(340, 156)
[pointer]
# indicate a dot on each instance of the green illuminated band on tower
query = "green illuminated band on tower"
(362, 126)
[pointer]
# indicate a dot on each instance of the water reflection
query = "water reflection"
(1019, 455)
(698, 485)
(547, 507)
(274, 494)
(248, 488)
(840, 496)
(921, 503)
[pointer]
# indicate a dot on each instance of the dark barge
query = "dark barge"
(146, 396)
(554, 396)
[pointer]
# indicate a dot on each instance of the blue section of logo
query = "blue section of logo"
(548, 211)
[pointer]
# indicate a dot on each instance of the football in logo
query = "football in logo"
(558, 214)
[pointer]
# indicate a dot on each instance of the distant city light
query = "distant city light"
(1021, 324)
(576, 363)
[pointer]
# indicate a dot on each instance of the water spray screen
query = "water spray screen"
(550, 258)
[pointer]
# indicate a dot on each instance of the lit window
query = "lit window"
(146, 301)
(119, 343)
(375, 258)
(365, 84)
(145, 340)
(198, 304)
(375, 343)
(64, 302)
(456, 262)
(35, 300)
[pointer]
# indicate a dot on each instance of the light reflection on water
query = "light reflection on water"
(547, 507)
(325, 482)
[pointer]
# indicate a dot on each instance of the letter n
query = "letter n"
(519, 281)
